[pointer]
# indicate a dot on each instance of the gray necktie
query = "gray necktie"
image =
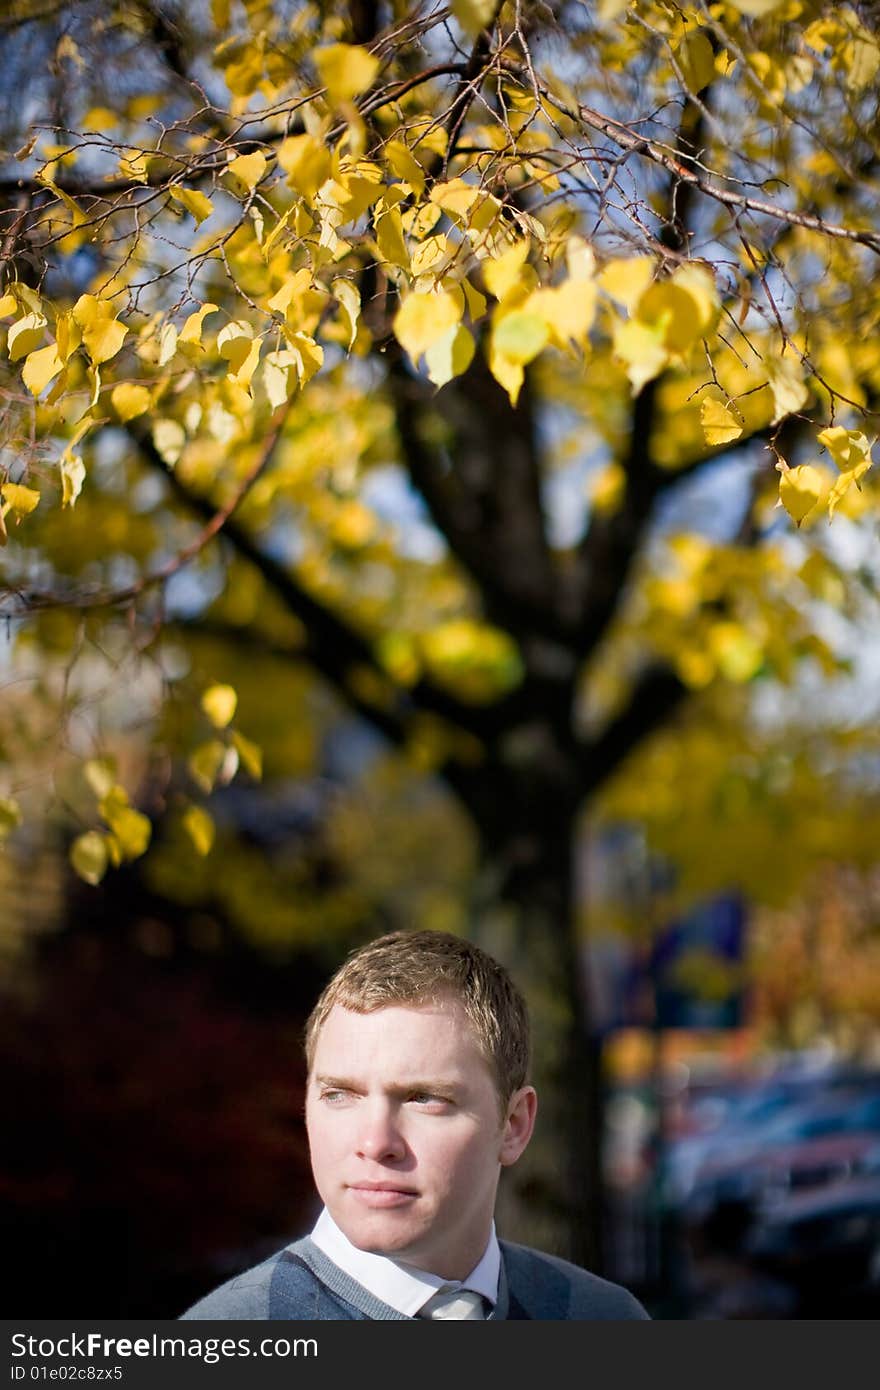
(454, 1303)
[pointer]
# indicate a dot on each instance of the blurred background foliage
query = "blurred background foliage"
(466, 642)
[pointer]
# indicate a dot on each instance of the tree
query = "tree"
(569, 269)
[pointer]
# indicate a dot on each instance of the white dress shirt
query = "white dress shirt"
(401, 1286)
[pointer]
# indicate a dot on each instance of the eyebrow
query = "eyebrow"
(347, 1083)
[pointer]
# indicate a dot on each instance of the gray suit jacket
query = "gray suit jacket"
(300, 1283)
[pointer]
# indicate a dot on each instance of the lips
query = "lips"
(381, 1195)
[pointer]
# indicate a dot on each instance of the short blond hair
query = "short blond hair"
(428, 967)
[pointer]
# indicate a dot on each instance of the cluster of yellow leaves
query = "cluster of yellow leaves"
(216, 761)
(128, 831)
(805, 491)
(666, 318)
(478, 661)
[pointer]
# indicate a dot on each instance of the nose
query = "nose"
(379, 1137)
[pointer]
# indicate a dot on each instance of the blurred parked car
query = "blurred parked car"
(825, 1243)
(775, 1172)
(733, 1167)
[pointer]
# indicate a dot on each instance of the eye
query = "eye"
(334, 1095)
(430, 1099)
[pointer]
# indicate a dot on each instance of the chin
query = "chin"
(379, 1236)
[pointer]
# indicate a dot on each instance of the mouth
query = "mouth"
(381, 1195)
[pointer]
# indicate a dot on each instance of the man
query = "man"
(417, 1097)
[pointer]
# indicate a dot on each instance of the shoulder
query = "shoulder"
(244, 1297)
(548, 1287)
(248, 1295)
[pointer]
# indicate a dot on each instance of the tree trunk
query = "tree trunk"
(526, 916)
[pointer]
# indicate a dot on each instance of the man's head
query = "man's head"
(427, 967)
(418, 1054)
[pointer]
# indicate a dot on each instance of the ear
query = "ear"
(519, 1124)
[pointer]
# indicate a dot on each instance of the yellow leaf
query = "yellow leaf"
(191, 332)
(103, 339)
(26, 298)
(130, 400)
(520, 336)
(474, 15)
(306, 162)
(10, 815)
(89, 856)
(455, 197)
(73, 472)
(248, 168)
(450, 356)
(100, 774)
(40, 367)
(696, 59)
(502, 273)
(841, 487)
(236, 343)
(405, 166)
(790, 391)
(167, 344)
(851, 452)
(219, 702)
(208, 764)
(641, 348)
(251, 755)
(626, 279)
(686, 306)
(568, 310)
(234, 339)
(849, 448)
(432, 254)
(197, 204)
(737, 655)
(506, 372)
(720, 425)
(21, 500)
(423, 318)
(100, 118)
(476, 302)
(280, 376)
(89, 309)
(799, 490)
(200, 828)
(93, 377)
(8, 305)
(607, 489)
(345, 70)
(580, 259)
(308, 354)
(389, 239)
(24, 336)
(68, 335)
(349, 298)
(131, 828)
(757, 8)
(133, 165)
(169, 438)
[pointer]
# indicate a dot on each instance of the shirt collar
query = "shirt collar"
(402, 1287)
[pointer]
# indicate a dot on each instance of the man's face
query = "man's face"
(406, 1136)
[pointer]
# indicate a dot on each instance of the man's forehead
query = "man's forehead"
(438, 1033)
